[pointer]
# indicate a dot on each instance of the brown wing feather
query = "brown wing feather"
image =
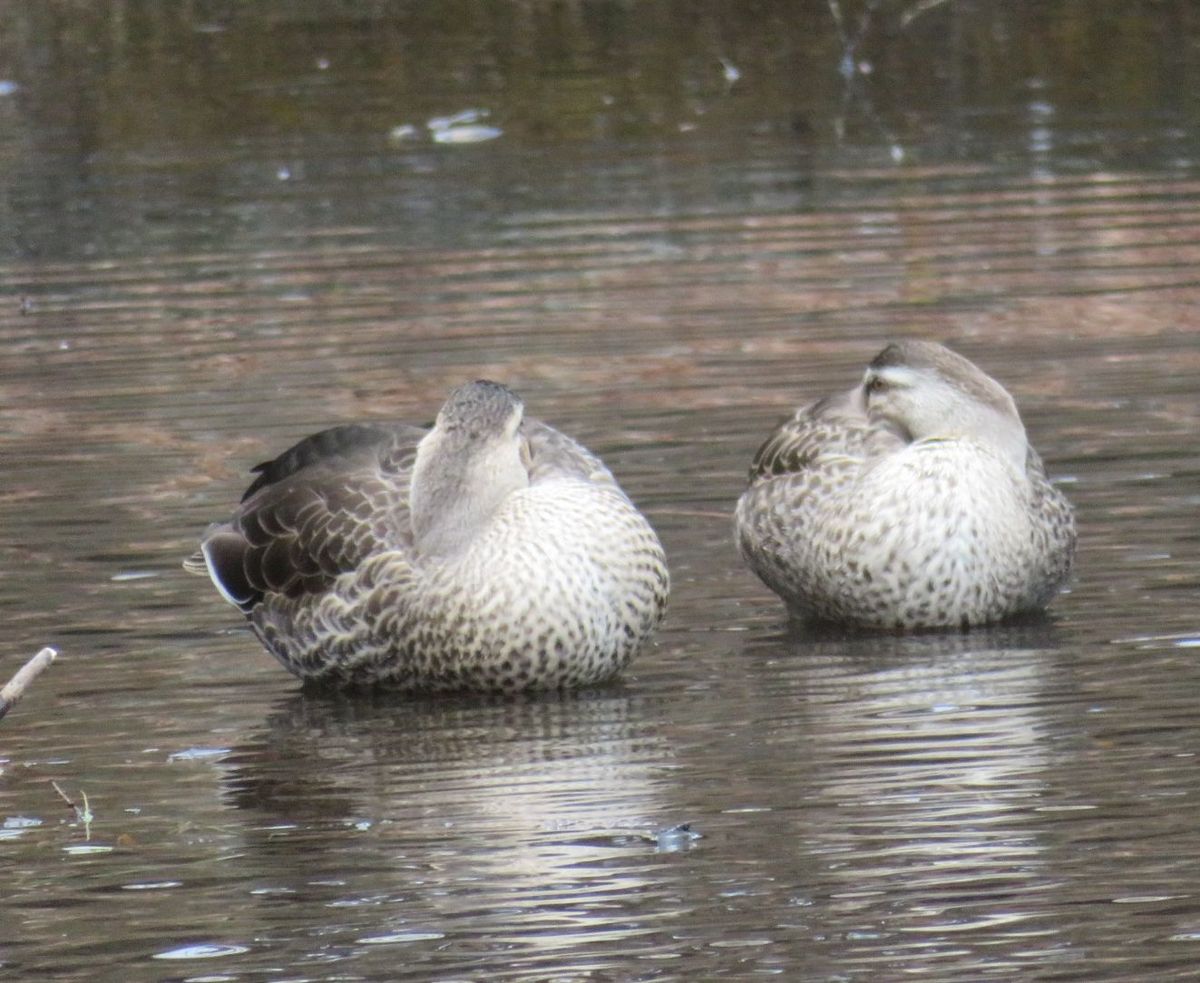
(335, 442)
(327, 503)
(834, 424)
(315, 512)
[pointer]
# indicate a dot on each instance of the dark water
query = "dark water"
(216, 240)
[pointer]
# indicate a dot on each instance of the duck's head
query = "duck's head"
(474, 457)
(921, 390)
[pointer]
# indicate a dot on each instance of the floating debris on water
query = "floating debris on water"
(76, 849)
(673, 839)
(202, 950)
(198, 754)
(466, 134)
(458, 119)
(15, 826)
(463, 127)
(405, 131)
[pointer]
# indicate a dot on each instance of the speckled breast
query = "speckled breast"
(560, 591)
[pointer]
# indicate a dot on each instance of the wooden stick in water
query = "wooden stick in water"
(14, 689)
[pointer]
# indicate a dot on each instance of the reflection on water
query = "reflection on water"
(932, 758)
(517, 829)
(218, 243)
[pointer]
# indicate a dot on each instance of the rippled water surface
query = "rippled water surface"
(665, 227)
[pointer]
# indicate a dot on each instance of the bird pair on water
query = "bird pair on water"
(493, 553)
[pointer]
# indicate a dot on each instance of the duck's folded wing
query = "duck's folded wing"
(553, 454)
(314, 512)
(833, 425)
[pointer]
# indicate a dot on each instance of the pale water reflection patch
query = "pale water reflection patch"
(202, 950)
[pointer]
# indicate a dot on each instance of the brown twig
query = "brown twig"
(14, 689)
(63, 795)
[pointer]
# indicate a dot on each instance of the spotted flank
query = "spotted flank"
(490, 553)
(912, 501)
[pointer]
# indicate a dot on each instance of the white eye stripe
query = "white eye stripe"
(897, 375)
(891, 377)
